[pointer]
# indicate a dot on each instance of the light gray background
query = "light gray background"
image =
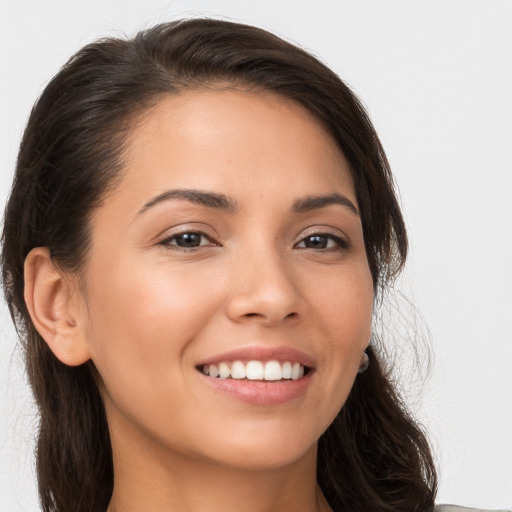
(436, 77)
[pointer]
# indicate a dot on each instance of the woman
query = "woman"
(201, 223)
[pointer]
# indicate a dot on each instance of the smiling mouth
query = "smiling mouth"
(256, 370)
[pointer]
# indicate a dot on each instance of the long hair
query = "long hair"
(373, 456)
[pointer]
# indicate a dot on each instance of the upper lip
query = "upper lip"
(262, 353)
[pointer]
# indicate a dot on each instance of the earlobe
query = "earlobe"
(54, 313)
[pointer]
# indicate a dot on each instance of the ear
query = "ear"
(53, 307)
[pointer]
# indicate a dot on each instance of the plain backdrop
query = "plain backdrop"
(436, 77)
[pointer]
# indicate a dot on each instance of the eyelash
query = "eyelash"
(167, 241)
(340, 243)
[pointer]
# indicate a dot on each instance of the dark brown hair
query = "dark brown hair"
(373, 456)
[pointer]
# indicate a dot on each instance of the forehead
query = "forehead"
(235, 142)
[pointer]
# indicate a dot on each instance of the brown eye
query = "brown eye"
(187, 240)
(321, 241)
(316, 242)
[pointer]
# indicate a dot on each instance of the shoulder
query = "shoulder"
(455, 508)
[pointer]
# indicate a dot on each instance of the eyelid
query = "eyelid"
(173, 233)
(340, 242)
(325, 231)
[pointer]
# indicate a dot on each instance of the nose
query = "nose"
(264, 290)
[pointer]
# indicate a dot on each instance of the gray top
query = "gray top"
(456, 508)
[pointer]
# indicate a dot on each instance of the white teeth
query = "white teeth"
(224, 371)
(287, 370)
(296, 371)
(238, 370)
(273, 371)
(214, 371)
(255, 370)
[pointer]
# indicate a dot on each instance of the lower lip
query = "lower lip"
(261, 392)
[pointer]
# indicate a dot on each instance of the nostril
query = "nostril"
(251, 315)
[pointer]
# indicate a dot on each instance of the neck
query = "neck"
(150, 479)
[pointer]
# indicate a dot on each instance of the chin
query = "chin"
(268, 459)
(260, 450)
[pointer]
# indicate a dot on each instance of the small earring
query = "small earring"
(365, 362)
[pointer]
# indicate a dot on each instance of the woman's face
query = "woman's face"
(233, 243)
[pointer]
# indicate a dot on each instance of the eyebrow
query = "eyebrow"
(227, 204)
(208, 199)
(309, 203)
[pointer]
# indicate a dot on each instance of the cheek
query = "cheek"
(344, 303)
(143, 322)
(149, 298)
(344, 308)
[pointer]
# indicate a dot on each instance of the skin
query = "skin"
(151, 311)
